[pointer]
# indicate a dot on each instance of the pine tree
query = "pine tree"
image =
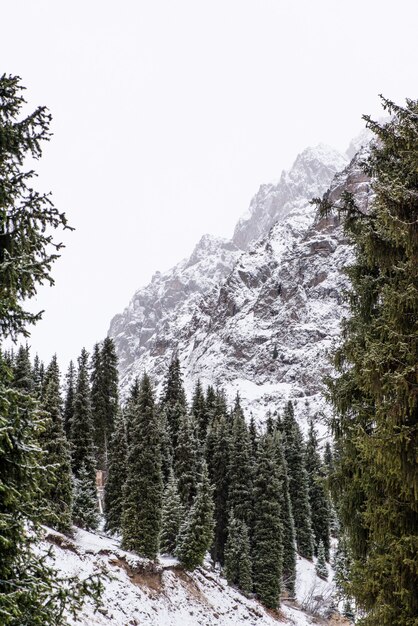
(286, 517)
(298, 482)
(196, 533)
(141, 517)
(172, 517)
(321, 564)
(173, 399)
(69, 398)
(57, 486)
(237, 556)
(374, 394)
(199, 412)
(252, 429)
(82, 449)
(30, 590)
(186, 461)
(267, 535)
(85, 510)
(240, 467)
(318, 498)
(37, 376)
(217, 454)
(22, 371)
(116, 478)
(104, 397)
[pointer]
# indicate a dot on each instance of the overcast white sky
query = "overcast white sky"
(168, 115)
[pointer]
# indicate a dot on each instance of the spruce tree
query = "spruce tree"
(374, 393)
(240, 468)
(199, 412)
(69, 398)
(318, 498)
(104, 397)
(298, 482)
(196, 532)
(321, 564)
(268, 532)
(217, 454)
(30, 590)
(286, 517)
(22, 371)
(173, 399)
(57, 485)
(186, 461)
(85, 509)
(238, 568)
(142, 494)
(116, 477)
(172, 517)
(82, 449)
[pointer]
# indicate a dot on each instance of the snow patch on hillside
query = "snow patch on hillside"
(138, 592)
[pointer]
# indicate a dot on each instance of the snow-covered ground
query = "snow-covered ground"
(138, 592)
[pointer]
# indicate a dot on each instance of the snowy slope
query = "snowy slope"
(141, 593)
(257, 314)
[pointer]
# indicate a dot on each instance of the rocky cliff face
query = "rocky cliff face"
(257, 314)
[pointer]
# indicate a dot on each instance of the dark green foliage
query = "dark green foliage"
(69, 398)
(27, 249)
(275, 352)
(37, 376)
(167, 452)
(252, 429)
(116, 477)
(286, 517)
(186, 465)
(217, 454)
(199, 412)
(375, 392)
(318, 498)
(56, 485)
(196, 533)
(172, 517)
(173, 399)
(22, 371)
(141, 517)
(298, 482)
(237, 556)
(129, 409)
(104, 397)
(240, 468)
(321, 564)
(85, 506)
(81, 434)
(268, 532)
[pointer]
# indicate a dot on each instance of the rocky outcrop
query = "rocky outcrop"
(263, 321)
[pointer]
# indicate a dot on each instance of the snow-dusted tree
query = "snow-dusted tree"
(217, 454)
(199, 412)
(286, 516)
(173, 399)
(321, 564)
(318, 497)
(186, 464)
(268, 533)
(238, 568)
(22, 371)
(172, 517)
(104, 397)
(85, 510)
(196, 532)
(82, 448)
(69, 398)
(143, 490)
(116, 477)
(294, 450)
(56, 486)
(240, 468)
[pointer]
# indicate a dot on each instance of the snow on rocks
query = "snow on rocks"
(261, 322)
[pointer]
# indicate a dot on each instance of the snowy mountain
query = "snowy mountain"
(257, 314)
(141, 592)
